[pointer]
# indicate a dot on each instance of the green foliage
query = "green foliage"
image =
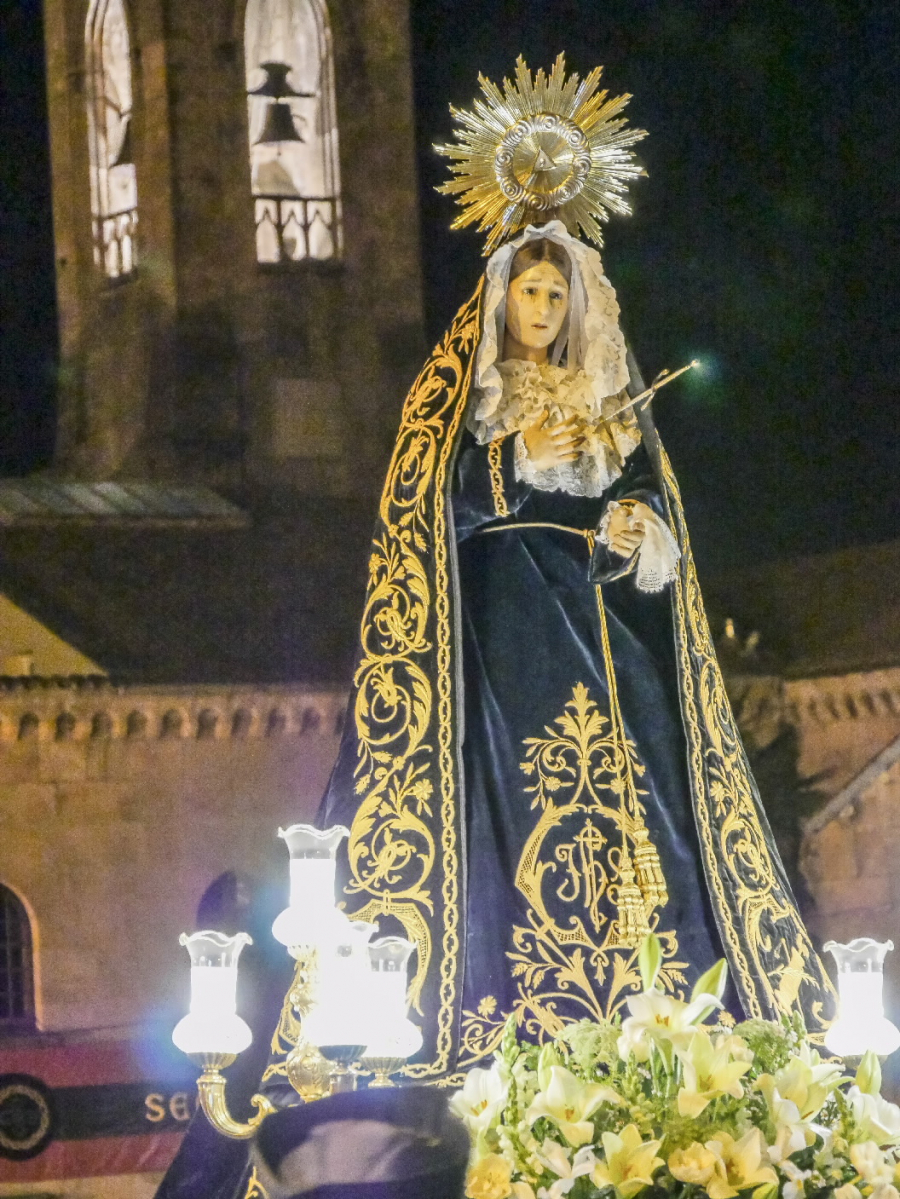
(594, 1046)
(771, 1044)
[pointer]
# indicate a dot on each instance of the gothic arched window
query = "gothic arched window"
(294, 168)
(113, 176)
(16, 970)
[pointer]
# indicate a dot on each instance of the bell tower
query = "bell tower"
(235, 216)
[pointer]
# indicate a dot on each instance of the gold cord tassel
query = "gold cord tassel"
(649, 871)
(631, 926)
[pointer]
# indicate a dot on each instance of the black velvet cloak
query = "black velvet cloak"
(536, 769)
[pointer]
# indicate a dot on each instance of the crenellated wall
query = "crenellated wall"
(843, 720)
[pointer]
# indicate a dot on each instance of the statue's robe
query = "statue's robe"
(536, 766)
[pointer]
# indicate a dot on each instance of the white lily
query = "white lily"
(708, 1072)
(806, 1080)
(570, 1103)
(792, 1132)
(658, 1019)
(739, 1165)
(555, 1157)
(629, 1165)
(875, 1118)
(481, 1100)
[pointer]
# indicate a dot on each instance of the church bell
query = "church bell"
(279, 123)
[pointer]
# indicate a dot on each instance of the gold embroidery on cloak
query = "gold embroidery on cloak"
(255, 1189)
(404, 689)
(495, 466)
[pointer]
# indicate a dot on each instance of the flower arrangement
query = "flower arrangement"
(676, 1102)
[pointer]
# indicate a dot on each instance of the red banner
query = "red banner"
(76, 1109)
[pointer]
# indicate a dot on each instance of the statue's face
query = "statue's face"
(536, 306)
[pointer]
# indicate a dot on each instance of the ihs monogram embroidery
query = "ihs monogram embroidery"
(591, 851)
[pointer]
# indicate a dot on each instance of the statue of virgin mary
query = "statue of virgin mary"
(540, 763)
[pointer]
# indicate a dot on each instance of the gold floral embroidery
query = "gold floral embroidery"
(585, 770)
(404, 851)
(255, 1189)
(495, 451)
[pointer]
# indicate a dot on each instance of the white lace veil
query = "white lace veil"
(590, 338)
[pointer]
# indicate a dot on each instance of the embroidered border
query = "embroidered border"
(495, 452)
(255, 1189)
(405, 859)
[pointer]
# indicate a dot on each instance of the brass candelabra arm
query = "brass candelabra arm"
(211, 1093)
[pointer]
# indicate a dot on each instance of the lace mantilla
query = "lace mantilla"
(530, 390)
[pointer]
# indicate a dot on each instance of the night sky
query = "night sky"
(764, 241)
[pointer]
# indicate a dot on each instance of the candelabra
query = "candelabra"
(346, 1010)
(346, 1004)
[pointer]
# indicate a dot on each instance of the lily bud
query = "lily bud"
(868, 1076)
(650, 960)
(713, 981)
(549, 1057)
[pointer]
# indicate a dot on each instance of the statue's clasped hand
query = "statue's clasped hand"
(627, 528)
(549, 446)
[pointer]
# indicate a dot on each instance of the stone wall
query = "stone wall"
(843, 720)
(847, 730)
(851, 865)
(120, 805)
(850, 725)
(118, 808)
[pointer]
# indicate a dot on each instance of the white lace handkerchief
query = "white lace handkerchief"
(659, 553)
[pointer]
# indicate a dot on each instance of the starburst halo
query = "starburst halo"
(543, 148)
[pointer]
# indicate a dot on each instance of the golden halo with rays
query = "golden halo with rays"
(542, 148)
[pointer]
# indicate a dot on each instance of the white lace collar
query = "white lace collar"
(527, 390)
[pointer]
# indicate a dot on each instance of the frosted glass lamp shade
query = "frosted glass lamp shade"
(861, 1024)
(310, 917)
(392, 1034)
(305, 841)
(212, 1026)
(342, 1015)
